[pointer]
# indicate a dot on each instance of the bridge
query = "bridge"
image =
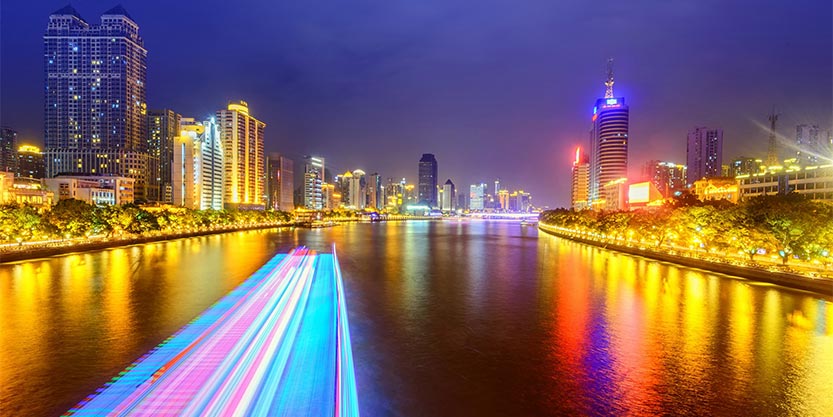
(277, 345)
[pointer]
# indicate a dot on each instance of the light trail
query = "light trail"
(277, 345)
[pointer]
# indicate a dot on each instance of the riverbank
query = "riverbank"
(819, 285)
(63, 248)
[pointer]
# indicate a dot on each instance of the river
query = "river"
(468, 318)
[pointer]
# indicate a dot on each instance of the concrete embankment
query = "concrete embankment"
(43, 252)
(822, 286)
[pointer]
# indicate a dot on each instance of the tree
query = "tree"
(71, 217)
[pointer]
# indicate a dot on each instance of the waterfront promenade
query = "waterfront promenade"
(278, 345)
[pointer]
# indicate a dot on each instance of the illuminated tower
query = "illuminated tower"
(608, 139)
(30, 162)
(94, 96)
(427, 185)
(243, 159)
(162, 128)
(313, 183)
(580, 184)
(280, 173)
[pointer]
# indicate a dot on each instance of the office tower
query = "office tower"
(314, 170)
(497, 186)
(579, 181)
(704, 154)
(243, 158)
(30, 163)
(667, 177)
(328, 200)
(427, 184)
(162, 127)
(8, 150)
(182, 172)
(94, 96)
(772, 144)
(375, 192)
(280, 175)
(502, 202)
(449, 196)
(477, 193)
(808, 145)
(358, 190)
(608, 139)
(394, 193)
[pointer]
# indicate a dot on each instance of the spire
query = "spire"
(609, 82)
(772, 150)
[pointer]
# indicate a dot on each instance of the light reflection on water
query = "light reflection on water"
(453, 318)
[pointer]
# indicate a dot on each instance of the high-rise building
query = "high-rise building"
(358, 190)
(94, 96)
(462, 201)
(808, 144)
(375, 192)
(497, 186)
(30, 163)
(477, 194)
(197, 170)
(427, 185)
(580, 181)
(704, 154)
(279, 184)
(745, 166)
(243, 158)
(608, 139)
(449, 196)
(667, 177)
(314, 171)
(8, 150)
(162, 128)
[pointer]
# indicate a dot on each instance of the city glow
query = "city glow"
(279, 344)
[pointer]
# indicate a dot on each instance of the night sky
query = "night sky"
(492, 88)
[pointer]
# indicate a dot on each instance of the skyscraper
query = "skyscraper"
(280, 180)
(162, 128)
(94, 96)
(449, 196)
(243, 159)
(704, 154)
(313, 179)
(608, 139)
(358, 190)
(580, 181)
(427, 184)
(8, 150)
(375, 192)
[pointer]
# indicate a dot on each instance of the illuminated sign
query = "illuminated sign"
(595, 109)
(611, 101)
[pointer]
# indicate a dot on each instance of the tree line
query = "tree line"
(787, 225)
(75, 218)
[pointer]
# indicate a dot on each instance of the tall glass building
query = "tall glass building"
(244, 173)
(94, 96)
(427, 186)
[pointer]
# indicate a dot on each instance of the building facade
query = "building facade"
(243, 159)
(667, 177)
(449, 196)
(477, 197)
(815, 182)
(30, 162)
(95, 96)
(198, 168)
(280, 182)
(162, 127)
(427, 184)
(579, 182)
(8, 150)
(704, 154)
(314, 170)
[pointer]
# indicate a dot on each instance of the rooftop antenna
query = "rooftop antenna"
(772, 150)
(609, 82)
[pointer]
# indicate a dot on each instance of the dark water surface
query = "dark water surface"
(448, 319)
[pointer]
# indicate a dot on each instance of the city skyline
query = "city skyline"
(435, 108)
